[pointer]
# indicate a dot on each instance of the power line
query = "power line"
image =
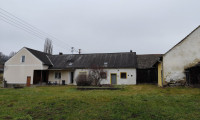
(29, 32)
(27, 24)
(31, 27)
(27, 27)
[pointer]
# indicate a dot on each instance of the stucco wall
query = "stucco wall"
(16, 72)
(184, 55)
(131, 76)
(65, 75)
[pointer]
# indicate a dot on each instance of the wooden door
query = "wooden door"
(28, 82)
(113, 79)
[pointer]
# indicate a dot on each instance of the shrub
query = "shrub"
(82, 80)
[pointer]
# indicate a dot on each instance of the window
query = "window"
(83, 73)
(105, 64)
(103, 75)
(123, 75)
(57, 75)
(70, 63)
(23, 59)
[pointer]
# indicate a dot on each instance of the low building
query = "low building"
(32, 67)
(146, 71)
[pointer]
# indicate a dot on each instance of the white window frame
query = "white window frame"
(23, 58)
(58, 75)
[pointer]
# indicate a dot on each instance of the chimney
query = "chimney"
(79, 51)
(60, 53)
(131, 51)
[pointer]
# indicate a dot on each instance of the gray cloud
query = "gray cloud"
(152, 26)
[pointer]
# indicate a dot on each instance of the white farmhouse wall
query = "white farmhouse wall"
(65, 75)
(184, 55)
(131, 76)
(16, 72)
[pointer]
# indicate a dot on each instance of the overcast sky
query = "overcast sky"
(99, 26)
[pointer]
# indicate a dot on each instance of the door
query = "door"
(72, 77)
(28, 82)
(113, 79)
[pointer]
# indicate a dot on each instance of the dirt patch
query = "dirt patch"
(97, 88)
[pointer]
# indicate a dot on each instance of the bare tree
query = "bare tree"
(12, 54)
(97, 74)
(48, 46)
(3, 58)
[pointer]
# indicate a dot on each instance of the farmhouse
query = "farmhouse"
(30, 66)
(182, 62)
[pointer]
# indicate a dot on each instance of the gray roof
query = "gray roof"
(113, 60)
(40, 55)
(147, 61)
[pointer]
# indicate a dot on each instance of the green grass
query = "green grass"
(1, 78)
(133, 102)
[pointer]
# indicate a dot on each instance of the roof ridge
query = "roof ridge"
(95, 53)
(36, 50)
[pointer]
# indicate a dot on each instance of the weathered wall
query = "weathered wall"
(65, 75)
(160, 74)
(184, 55)
(131, 76)
(16, 72)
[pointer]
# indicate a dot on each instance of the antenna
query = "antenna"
(72, 49)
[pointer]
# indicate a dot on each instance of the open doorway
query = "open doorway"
(40, 77)
(72, 77)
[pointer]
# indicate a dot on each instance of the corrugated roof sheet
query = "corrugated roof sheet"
(113, 60)
(147, 61)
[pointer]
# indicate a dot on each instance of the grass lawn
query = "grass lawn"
(1, 77)
(147, 102)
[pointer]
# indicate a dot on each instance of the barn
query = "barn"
(181, 63)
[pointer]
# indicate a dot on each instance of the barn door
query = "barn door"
(113, 79)
(28, 82)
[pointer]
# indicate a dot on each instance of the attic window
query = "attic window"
(70, 63)
(23, 59)
(105, 64)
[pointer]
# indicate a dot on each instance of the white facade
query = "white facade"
(16, 71)
(184, 55)
(22, 66)
(130, 80)
(65, 75)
